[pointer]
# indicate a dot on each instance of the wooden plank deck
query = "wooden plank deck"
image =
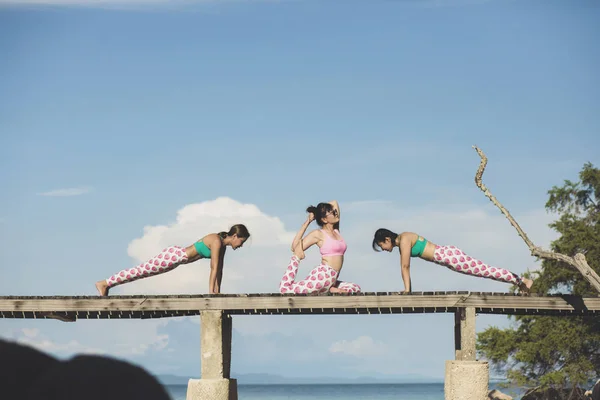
(155, 306)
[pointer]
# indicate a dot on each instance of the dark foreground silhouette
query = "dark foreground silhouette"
(28, 374)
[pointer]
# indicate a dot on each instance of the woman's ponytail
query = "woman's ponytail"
(238, 229)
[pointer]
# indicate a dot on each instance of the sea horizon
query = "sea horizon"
(268, 379)
(339, 391)
(258, 378)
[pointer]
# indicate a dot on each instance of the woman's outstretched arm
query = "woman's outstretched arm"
(405, 247)
(220, 269)
(215, 257)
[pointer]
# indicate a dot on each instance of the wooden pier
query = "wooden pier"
(466, 378)
(138, 306)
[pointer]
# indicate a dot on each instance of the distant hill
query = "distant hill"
(272, 379)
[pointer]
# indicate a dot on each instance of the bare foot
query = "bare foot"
(526, 285)
(333, 289)
(102, 287)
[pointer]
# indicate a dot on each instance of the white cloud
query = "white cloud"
(30, 333)
(362, 346)
(158, 343)
(254, 267)
(66, 192)
(127, 338)
(48, 346)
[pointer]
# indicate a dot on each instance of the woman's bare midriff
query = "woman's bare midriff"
(428, 252)
(191, 252)
(334, 262)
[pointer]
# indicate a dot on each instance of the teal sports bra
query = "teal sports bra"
(202, 249)
(419, 247)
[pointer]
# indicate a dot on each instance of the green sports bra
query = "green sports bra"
(419, 247)
(202, 249)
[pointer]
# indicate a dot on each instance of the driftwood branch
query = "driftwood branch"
(578, 261)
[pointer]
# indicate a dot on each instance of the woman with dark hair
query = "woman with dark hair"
(211, 246)
(412, 245)
(332, 246)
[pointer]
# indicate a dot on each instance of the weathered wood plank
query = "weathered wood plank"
(326, 311)
(165, 306)
(566, 302)
(227, 303)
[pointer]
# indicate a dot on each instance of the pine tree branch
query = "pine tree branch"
(578, 261)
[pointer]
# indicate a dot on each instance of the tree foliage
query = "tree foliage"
(557, 352)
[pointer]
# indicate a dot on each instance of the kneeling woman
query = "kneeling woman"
(332, 247)
(412, 245)
(211, 246)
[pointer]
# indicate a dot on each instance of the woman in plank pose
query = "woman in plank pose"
(332, 246)
(211, 246)
(412, 245)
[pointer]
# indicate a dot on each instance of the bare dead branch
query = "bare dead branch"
(578, 261)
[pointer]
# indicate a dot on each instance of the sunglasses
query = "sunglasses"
(334, 212)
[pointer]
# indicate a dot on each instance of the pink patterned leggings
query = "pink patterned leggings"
(168, 259)
(320, 280)
(455, 259)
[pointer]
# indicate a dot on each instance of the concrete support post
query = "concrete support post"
(215, 352)
(466, 380)
(215, 344)
(464, 334)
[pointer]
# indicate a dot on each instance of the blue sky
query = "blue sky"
(129, 125)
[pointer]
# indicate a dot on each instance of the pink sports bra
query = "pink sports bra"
(332, 247)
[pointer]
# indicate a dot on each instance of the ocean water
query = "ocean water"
(405, 391)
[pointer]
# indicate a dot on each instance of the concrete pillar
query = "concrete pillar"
(215, 344)
(464, 334)
(466, 380)
(212, 389)
(215, 353)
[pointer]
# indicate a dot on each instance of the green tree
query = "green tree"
(557, 352)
